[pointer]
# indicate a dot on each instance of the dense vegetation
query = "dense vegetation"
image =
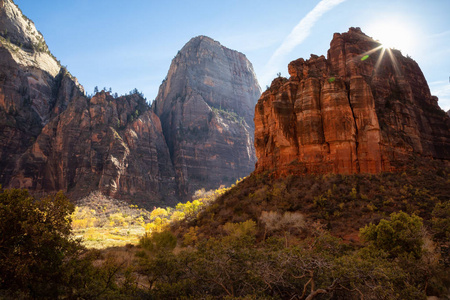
(320, 267)
(38, 257)
(340, 203)
(380, 236)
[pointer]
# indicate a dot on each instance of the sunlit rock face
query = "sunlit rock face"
(206, 105)
(356, 111)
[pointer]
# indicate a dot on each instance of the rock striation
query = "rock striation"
(206, 106)
(54, 137)
(34, 88)
(363, 109)
(114, 146)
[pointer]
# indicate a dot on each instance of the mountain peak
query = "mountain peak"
(18, 29)
(25, 43)
(204, 38)
(206, 108)
(362, 109)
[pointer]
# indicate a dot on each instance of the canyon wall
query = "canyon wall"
(199, 133)
(206, 105)
(363, 109)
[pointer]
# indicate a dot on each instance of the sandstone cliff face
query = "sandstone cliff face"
(18, 29)
(206, 107)
(112, 145)
(52, 137)
(355, 111)
(33, 86)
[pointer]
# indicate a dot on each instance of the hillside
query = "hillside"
(349, 198)
(341, 204)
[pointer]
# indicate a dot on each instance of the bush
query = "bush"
(35, 242)
(401, 235)
(40, 260)
(158, 241)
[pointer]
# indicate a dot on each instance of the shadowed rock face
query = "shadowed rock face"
(33, 86)
(112, 145)
(356, 111)
(206, 107)
(53, 137)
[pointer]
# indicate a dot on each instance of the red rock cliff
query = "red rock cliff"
(34, 88)
(53, 137)
(361, 109)
(112, 145)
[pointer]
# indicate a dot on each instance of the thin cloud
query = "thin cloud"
(298, 35)
(438, 82)
(440, 35)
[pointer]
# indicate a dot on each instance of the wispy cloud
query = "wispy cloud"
(297, 36)
(440, 34)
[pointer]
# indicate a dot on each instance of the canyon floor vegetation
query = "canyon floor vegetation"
(330, 236)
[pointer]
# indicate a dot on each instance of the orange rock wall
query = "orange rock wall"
(356, 111)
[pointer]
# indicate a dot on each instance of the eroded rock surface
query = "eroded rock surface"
(112, 145)
(53, 137)
(206, 106)
(34, 88)
(356, 111)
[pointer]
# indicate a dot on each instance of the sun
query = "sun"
(393, 33)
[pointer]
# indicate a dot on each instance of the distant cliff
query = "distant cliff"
(112, 145)
(206, 107)
(53, 137)
(34, 88)
(356, 111)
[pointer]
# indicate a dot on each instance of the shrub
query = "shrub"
(399, 236)
(158, 241)
(35, 242)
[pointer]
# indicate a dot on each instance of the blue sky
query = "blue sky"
(130, 44)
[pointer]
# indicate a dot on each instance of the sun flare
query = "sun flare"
(394, 34)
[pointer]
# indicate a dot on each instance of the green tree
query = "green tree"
(441, 221)
(399, 236)
(39, 259)
(158, 241)
(35, 242)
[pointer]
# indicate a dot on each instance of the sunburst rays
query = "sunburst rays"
(383, 50)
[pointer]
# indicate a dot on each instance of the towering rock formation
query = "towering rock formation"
(53, 137)
(112, 145)
(361, 109)
(206, 107)
(34, 88)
